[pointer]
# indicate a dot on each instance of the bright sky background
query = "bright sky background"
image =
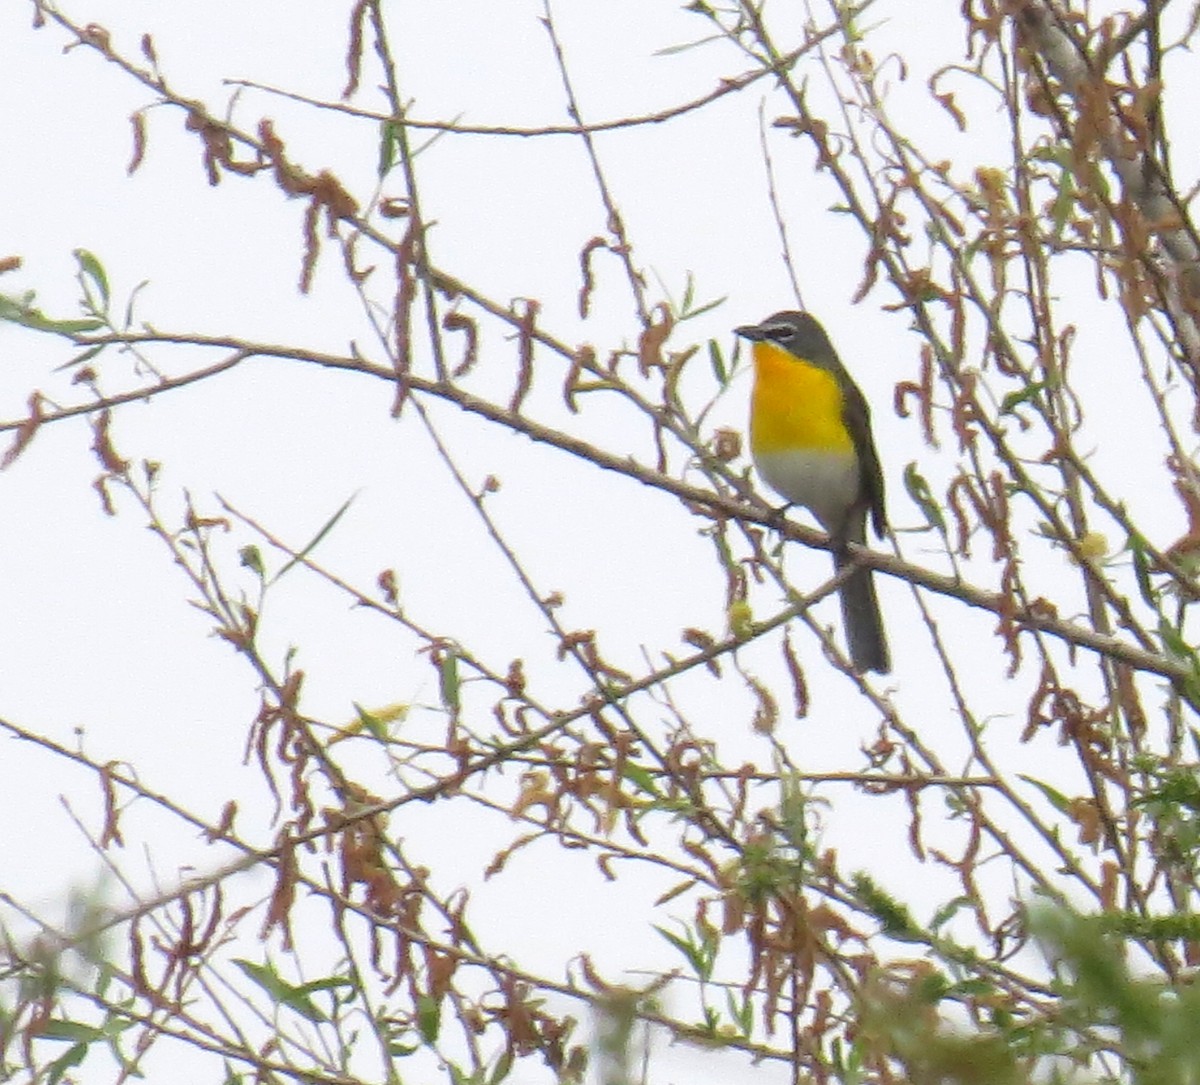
(98, 646)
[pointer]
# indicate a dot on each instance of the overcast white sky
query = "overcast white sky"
(98, 645)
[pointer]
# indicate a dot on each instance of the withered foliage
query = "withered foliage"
(1035, 743)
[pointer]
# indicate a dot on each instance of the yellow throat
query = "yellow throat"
(795, 405)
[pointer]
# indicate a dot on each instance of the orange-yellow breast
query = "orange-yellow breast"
(794, 406)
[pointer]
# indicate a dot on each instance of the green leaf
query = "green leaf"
(707, 307)
(948, 911)
(450, 682)
(931, 987)
(316, 539)
(103, 979)
(328, 983)
(1173, 639)
(1056, 798)
(91, 270)
(251, 558)
(716, 358)
(689, 295)
(129, 305)
(1050, 152)
(690, 46)
(281, 992)
(83, 356)
(73, 1057)
(1191, 690)
(741, 1010)
(429, 1018)
(1023, 395)
(892, 915)
(387, 148)
(641, 779)
(921, 493)
(457, 1076)
(975, 988)
(306, 1008)
(700, 955)
(1064, 201)
(1174, 788)
(502, 1069)
(1141, 570)
(264, 975)
(372, 724)
(21, 311)
(75, 1031)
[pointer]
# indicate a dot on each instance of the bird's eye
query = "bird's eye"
(778, 332)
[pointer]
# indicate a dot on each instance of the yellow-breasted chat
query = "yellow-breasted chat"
(810, 436)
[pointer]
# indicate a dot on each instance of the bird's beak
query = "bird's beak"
(751, 331)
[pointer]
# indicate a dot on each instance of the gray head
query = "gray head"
(795, 331)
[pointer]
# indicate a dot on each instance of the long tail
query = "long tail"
(863, 622)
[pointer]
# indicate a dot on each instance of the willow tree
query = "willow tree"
(568, 833)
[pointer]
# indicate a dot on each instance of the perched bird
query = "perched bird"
(810, 436)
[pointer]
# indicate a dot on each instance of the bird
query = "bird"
(810, 439)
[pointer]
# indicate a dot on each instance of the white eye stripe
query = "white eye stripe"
(778, 331)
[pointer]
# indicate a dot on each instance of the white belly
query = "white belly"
(826, 483)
